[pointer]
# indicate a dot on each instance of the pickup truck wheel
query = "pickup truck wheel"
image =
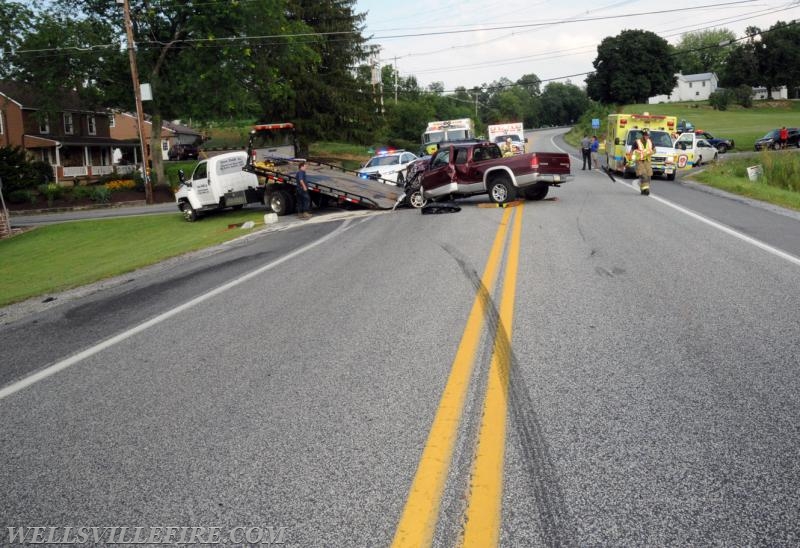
(537, 191)
(722, 148)
(279, 202)
(501, 190)
(416, 199)
(189, 213)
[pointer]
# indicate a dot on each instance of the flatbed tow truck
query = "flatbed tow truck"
(271, 156)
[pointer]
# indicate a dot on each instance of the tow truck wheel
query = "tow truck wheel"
(416, 199)
(279, 202)
(189, 213)
(501, 190)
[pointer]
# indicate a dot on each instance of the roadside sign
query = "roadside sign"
(595, 123)
(754, 173)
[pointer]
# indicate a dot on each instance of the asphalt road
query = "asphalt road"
(292, 380)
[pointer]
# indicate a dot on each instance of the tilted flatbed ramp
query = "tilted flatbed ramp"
(368, 191)
(333, 181)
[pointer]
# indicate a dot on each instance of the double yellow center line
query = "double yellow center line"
(418, 522)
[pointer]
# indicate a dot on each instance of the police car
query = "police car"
(388, 165)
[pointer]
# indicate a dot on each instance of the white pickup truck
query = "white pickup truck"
(692, 150)
(216, 183)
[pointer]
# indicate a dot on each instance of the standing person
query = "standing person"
(642, 153)
(783, 137)
(594, 147)
(586, 152)
(303, 199)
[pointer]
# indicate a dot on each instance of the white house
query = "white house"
(761, 93)
(690, 87)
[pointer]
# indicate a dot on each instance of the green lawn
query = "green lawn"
(743, 125)
(61, 256)
(780, 184)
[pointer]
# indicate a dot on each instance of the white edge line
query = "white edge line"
(63, 364)
(758, 243)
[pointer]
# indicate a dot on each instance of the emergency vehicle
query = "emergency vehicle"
(498, 133)
(446, 130)
(624, 129)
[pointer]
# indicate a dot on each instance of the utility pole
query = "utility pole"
(148, 190)
(395, 80)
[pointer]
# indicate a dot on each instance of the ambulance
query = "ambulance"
(498, 133)
(446, 130)
(624, 129)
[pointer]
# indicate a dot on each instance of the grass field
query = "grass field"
(780, 184)
(61, 256)
(743, 125)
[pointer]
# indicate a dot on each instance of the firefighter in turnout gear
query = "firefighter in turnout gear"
(642, 153)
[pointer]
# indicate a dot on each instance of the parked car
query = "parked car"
(722, 145)
(771, 139)
(685, 126)
(693, 150)
(183, 152)
(390, 165)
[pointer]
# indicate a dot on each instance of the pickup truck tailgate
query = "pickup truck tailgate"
(554, 163)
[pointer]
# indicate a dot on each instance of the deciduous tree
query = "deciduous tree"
(704, 51)
(631, 67)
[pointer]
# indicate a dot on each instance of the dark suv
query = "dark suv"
(720, 143)
(772, 139)
(183, 152)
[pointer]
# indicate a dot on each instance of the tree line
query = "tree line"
(309, 62)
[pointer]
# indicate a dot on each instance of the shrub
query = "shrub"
(120, 184)
(22, 196)
(720, 99)
(744, 96)
(100, 194)
(79, 192)
(52, 192)
(138, 180)
(19, 173)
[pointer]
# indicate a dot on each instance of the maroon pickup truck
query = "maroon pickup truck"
(478, 167)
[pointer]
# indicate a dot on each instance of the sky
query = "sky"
(472, 42)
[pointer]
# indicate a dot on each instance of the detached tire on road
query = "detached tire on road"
(537, 191)
(501, 190)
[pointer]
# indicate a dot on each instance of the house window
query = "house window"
(44, 125)
(1, 123)
(697, 94)
(704, 84)
(92, 125)
(690, 84)
(68, 123)
(112, 121)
